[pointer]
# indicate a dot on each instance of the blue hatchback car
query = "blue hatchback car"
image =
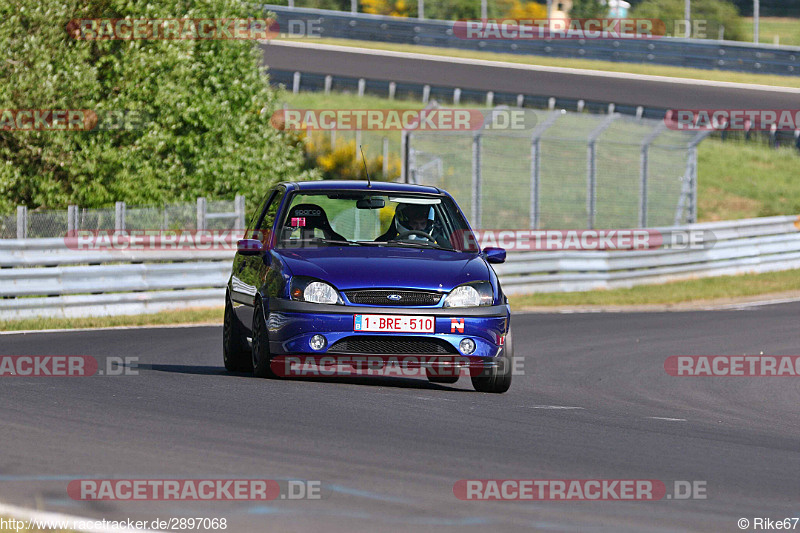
(348, 268)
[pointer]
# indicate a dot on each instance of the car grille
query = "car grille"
(371, 345)
(381, 297)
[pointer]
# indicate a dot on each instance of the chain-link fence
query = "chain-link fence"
(203, 215)
(571, 170)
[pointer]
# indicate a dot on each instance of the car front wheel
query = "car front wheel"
(497, 380)
(261, 355)
(235, 352)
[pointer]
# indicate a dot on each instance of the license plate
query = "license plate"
(394, 323)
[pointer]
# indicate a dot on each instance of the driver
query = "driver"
(414, 218)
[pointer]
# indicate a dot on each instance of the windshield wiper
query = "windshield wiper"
(428, 244)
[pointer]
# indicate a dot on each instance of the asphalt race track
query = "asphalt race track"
(388, 451)
(628, 89)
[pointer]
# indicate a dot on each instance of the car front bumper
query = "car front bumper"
(291, 324)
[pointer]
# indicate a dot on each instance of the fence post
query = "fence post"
(385, 168)
(238, 207)
(362, 84)
(404, 144)
(201, 213)
(72, 219)
(420, 9)
(328, 83)
(354, 6)
(476, 180)
(119, 216)
(392, 90)
(644, 168)
(536, 166)
(591, 178)
(22, 222)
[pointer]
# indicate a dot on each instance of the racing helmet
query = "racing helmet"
(407, 212)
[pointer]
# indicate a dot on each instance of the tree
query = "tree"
(710, 13)
(202, 132)
(587, 9)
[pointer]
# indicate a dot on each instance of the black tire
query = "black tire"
(235, 351)
(497, 380)
(437, 375)
(261, 357)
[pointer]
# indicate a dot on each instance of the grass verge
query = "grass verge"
(679, 292)
(787, 29)
(183, 316)
(590, 64)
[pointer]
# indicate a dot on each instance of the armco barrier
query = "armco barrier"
(43, 277)
(741, 246)
(694, 53)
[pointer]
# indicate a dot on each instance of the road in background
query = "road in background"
(597, 86)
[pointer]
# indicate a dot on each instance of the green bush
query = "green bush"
(202, 134)
(714, 12)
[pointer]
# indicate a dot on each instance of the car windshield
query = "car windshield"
(357, 218)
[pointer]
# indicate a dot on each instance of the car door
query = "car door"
(248, 270)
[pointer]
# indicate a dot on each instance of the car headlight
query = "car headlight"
(313, 291)
(470, 295)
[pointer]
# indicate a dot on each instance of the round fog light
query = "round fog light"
(317, 342)
(467, 346)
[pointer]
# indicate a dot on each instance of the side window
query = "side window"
(266, 217)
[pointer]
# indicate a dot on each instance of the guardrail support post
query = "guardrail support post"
(201, 213)
(476, 181)
(22, 222)
(296, 83)
(119, 216)
(238, 207)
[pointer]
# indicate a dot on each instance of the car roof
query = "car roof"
(353, 185)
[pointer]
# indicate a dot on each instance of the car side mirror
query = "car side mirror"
(495, 255)
(249, 247)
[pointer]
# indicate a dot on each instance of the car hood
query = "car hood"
(352, 267)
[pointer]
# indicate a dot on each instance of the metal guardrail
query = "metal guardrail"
(48, 278)
(741, 246)
(42, 277)
(693, 53)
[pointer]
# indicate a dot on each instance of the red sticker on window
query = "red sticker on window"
(298, 222)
